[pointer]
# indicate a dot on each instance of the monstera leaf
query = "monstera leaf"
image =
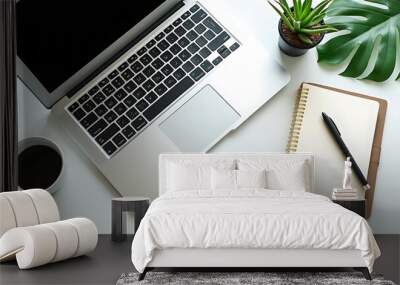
(374, 22)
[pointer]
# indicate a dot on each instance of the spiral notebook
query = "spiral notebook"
(360, 119)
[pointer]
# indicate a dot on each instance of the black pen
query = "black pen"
(338, 138)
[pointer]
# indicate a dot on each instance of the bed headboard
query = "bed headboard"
(166, 158)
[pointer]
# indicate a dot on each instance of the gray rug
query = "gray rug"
(243, 278)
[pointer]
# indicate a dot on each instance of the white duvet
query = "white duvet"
(250, 218)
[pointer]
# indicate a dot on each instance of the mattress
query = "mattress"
(251, 219)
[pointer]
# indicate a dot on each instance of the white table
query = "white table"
(266, 130)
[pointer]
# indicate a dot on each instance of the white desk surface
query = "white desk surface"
(87, 193)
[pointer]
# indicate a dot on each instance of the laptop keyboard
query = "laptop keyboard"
(130, 97)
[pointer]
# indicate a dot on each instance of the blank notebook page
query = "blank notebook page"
(355, 118)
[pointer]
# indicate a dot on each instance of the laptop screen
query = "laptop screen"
(56, 38)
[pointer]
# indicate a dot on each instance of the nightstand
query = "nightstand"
(357, 206)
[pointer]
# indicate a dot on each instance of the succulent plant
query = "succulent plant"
(302, 19)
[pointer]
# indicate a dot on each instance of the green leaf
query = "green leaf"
(286, 11)
(306, 9)
(379, 27)
(283, 17)
(316, 12)
(305, 39)
(318, 30)
(296, 9)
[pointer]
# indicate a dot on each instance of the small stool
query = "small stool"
(138, 205)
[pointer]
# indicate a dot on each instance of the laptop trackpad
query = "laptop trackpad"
(200, 121)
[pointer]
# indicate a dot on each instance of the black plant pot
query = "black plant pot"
(291, 50)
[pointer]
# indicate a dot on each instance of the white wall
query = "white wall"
(87, 193)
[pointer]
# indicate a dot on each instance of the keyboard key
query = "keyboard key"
(160, 36)
(150, 43)
(209, 35)
(196, 59)
(103, 82)
(99, 97)
(158, 63)
(132, 58)
(160, 89)
(139, 79)
(169, 97)
(200, 28)
(192, 35)
(127, 74)
(128, 132)
(79, 114)
(108, 89)
(201, 41)
(171, 38)
(120, 109)
(120, 94)
(89, 106)
(119, 140)
(132, 113)
(107, 134)
(142, 51)
(194, 8)
(139, 93)
(170, 81)
(148, 71)
(111, 102)
(166, 69)
(197, 74)
(188, 66)
(151, 97)
(217, 61)
(148, 85)
(212, 25)
(177, 22)
(180, 31)
(218, 41)
(163, 45)
(136, 67)
(113, 74)
(234, 47)
(198, 16)
(205, 52)
(139, 123)
(93, 90)
(175, 48)
(183, 42)
(179, 74)
(97, 127)
(83, 98)
(188, 24)
(117, 82)
(185, 15)
(141, 105)
(109, 148)
(122, 121)
(101, 110)
(130, 86)
(123, 66)
(158, 77)
(154, 52)
(89, 120)
(110, 116)
(193, 48)
(73, 107)
(146, 59)
(184, 55)
(176, 62)
(166, 56)
(129, 101)
(224, 51)
(207, 66)
(168, 29)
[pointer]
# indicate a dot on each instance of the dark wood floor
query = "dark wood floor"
(110, 260)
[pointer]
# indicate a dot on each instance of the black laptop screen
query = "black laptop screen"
(56, 38)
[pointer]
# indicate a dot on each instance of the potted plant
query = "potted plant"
(301, 26)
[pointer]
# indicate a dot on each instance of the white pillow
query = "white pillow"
(223, 179)
(285, 174)
(188, 177)
(251, 178)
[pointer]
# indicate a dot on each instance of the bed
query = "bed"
(247, 210)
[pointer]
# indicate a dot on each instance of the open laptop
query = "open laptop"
(129, 81)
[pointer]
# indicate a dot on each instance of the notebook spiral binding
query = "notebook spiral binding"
(297, 121)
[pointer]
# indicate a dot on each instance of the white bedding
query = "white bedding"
(250, 218)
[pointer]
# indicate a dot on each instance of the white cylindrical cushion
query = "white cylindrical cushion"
(87, 235)
(46, 207)
(7, 218)
(23, 208)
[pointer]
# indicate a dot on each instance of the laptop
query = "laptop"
(129, 81)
